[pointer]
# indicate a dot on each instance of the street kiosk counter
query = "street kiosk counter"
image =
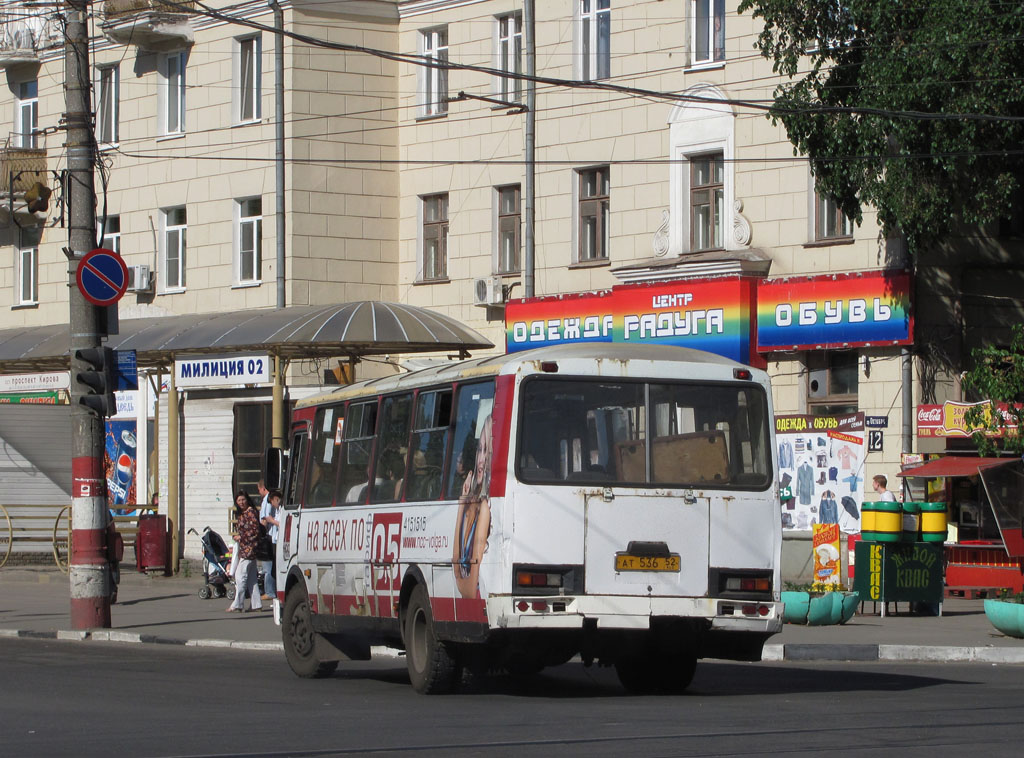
(985, 496)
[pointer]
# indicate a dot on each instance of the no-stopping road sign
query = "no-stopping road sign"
(102, 277)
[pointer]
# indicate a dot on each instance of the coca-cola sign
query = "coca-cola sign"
(949, 419)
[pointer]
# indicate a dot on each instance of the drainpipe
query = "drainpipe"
(279, 144)
(529, 186)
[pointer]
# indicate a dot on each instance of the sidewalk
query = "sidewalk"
(157, 609)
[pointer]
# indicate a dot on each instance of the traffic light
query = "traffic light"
(37, 197)
(100, 379)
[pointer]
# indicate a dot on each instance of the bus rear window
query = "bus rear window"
(635, 433)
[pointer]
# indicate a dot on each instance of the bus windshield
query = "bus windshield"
(681, 434)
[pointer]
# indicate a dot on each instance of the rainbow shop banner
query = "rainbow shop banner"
(715, 315)
(834, 311)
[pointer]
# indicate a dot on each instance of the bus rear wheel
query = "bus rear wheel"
(432, 666)
(300, 640)
(656, 675)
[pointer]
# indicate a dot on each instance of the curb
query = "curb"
(772, 653)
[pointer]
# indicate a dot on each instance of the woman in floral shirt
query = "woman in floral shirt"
(248, 524)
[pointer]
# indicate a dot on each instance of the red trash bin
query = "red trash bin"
(151, 542)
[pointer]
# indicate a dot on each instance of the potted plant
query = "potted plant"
(1006, 613)
(818, 604)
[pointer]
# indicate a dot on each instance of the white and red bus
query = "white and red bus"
(613, 502)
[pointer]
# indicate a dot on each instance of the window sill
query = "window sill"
(431, 116)
(596, 263)
(105, 146)
(24, 306)
(829, 242)
(442, 280)
(176, 291)
(246, 285)
(705, 65)
(166, 137)
(247, 122)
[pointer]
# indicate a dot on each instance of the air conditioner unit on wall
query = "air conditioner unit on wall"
(139, 278)
(488, 290)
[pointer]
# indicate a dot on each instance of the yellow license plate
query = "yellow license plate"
(647, 563)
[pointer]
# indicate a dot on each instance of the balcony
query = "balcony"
(22, 39)
(20, 169)
(148, 24)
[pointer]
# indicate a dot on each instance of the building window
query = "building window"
(252, 437)
(250, 240)
(707, 193)
(510, 56)
(593, 212)
(174, 237)
(509, 229)
(108, 85)
(28, 270)
(109, 232)
(248, 76)
(595, 34)
(434, 264)
(434, 81)
(173, 94)
(27, 114)
(831, 382)
(708, 30)
(830, 222)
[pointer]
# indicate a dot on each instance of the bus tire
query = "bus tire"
(300, 640)
(656, 675)
(432, 666)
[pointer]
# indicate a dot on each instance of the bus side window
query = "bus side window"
(324, 464)
(472, 405)
(428, 442)
(297, 469)
(392, 448)
(360, 424)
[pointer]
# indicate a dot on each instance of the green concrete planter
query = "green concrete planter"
(819, 610)
(1006, 616)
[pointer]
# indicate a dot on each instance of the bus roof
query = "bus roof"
(507, 362)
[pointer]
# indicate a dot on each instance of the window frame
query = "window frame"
(597, 206)
(104, 233)
(27, 274)
(172, 94)
(262, 419)
(108, 87)
(593, 17)
(181, 231)
(434, 45)
(715, 10)
(827, 215)
(250, 95)
(508, 50)
(505, 222)
(829, 402)
(716, 191)
(243, 221)
(430, 230)
(27, 105)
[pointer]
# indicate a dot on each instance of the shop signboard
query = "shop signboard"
(221, 371)
(948, 420)
(898, 572)
(52, 380)
(833, 311)
(822, 459)
(712, 315)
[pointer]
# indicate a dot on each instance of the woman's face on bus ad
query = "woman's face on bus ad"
(483, 451)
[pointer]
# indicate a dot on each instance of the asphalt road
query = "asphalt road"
(100, 699)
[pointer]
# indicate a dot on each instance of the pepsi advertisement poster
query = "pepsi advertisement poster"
(119, 456)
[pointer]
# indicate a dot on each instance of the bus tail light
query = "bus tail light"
(741, 584)
(748, 584)
(547, 580)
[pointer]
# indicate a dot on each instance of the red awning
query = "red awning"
(952, 465)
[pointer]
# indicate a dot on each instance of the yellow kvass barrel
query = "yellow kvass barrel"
(867, 522)
(888, 522)
(933, 522)
(911, 520)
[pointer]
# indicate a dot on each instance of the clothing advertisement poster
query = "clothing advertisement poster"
(821, 459)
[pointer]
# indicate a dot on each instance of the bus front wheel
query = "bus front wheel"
(300, 640)
(432, 666)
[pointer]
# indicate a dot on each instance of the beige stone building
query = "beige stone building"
(406, 181)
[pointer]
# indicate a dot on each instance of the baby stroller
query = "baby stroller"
(216, 559)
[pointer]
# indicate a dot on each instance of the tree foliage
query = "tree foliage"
(906, 107)
(998, 379)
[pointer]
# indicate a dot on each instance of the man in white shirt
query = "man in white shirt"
(268, 517)
(879, 484)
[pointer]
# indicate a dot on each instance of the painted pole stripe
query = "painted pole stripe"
(88, 513)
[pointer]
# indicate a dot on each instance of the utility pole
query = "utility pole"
(529, 185)
(90, 571)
